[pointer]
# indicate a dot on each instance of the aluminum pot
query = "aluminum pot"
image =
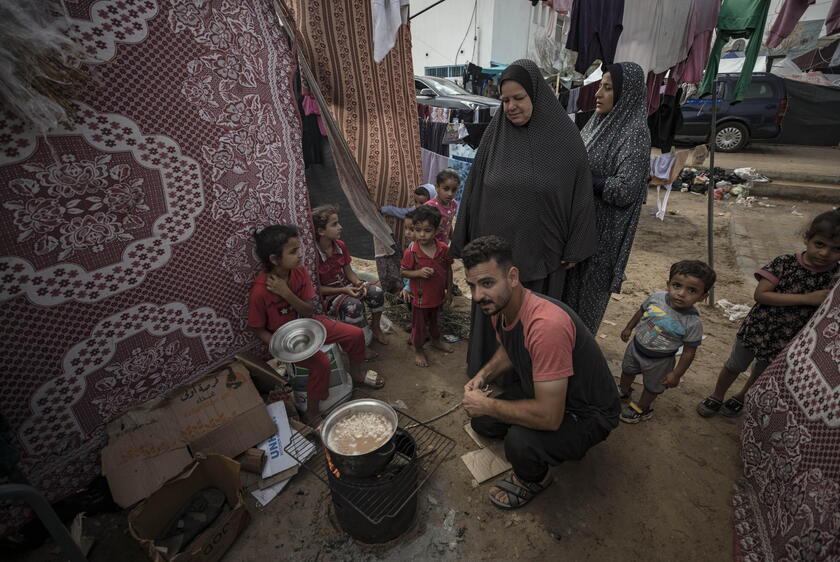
(364, 464)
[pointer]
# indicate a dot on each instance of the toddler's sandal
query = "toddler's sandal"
(732, 408)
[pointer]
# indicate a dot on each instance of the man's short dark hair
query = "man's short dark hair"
(694, 268)
(486, 248)
(427, 213)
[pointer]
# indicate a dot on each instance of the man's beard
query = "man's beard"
(496, 307)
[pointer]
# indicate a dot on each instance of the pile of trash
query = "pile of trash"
(736, 184)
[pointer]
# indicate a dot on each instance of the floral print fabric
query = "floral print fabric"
(788, 501)
(127, 254)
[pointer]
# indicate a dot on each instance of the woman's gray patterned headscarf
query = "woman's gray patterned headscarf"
(609, 138)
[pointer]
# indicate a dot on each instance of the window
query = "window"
(760, 90)
(418, 86)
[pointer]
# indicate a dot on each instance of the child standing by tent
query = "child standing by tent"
(790, 288)
(427, 265)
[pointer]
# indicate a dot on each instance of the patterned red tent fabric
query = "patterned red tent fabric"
(127, 254)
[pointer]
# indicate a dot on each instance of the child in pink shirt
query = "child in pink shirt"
(447, 182)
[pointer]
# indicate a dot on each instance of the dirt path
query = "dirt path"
(659, 490)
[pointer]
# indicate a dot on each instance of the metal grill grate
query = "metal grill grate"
(431, 448)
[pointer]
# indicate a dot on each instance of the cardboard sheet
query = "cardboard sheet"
(487, 462)
(221, 414)
(484, 464)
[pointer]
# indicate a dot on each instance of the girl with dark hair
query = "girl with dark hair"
(345, 295)
(284, 292)
(790, 288)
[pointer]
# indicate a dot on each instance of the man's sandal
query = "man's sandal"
(709, 407)
(518, 492)
(372, 379)
(732, 408)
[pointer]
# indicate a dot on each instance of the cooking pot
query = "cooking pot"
(364, 464)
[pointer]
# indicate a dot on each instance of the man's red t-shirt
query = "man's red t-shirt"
(269, 311)
(428, 293)
(331, 268)
(549, 337)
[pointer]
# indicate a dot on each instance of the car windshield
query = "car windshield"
(447, 87)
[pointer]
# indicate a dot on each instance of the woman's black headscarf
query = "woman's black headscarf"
(531, 185)
(617, 75)
(519, 75)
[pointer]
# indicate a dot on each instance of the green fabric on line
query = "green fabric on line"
(738, 18)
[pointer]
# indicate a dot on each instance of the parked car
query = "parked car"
(758, 117)
(440, 92)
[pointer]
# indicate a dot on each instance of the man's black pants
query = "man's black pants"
(531, 451)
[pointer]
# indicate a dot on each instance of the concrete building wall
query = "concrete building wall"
(437, 35)
(511, 29)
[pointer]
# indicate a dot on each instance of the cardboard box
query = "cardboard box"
(151, 518)
(221, 414)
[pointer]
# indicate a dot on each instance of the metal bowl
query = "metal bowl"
(354, 407)
(297, 340)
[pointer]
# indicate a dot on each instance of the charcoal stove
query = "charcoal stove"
(381, 507)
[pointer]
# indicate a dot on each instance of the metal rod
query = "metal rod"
(48, 517)
(426, 9)
(710, 212)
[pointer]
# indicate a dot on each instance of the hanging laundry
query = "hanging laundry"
(701, 28)
(661, 165)
(431, 136)
(462, 150)
(832, 20)
(331, 33)
(654, 34)
(310, 107)
(594, 31)
(664, 170)
(665, 122)
(586, 98)
(476, 131)
(738, 18)
(463, 167)
(432, 163)
(788, 17)
(572, 106)
(424, 111)
(654, 91)
(388, 16)
(440, 114)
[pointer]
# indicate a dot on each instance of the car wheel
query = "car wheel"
(731, 137)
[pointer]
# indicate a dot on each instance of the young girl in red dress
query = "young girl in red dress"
(283, 292)
(344, 294)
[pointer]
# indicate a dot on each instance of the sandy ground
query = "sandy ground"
(659, 490)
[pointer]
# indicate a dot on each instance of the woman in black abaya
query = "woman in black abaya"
(531, 185)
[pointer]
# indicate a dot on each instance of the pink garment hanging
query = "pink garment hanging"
(310, 107)
(654, 91)
(701, 28)
(788, 17)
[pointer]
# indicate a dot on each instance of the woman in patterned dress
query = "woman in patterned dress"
(618, 144)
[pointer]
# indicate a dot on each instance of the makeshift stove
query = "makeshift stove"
(381, 507)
